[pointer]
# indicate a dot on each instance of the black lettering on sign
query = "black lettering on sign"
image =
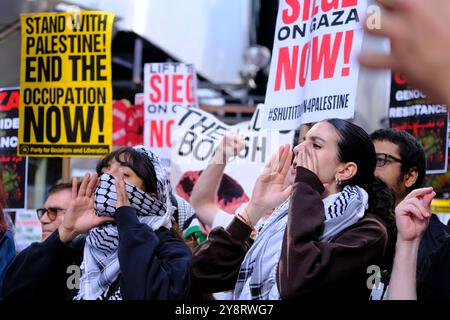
(48, 121)
(78, 123)
(101, 137)
(90, 67)
(53, 116)
(29, 22)
(187, 142)
(31, 42)
(30, 122)
(39, 69)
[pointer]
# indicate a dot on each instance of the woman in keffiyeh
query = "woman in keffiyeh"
(116, 240)
(329, 227)
(137, 257)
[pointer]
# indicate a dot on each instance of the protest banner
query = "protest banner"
(27, 229)
(314, 70)
(13, 168)
(166, 86)
(196, 137)
(412, 111)
(65, 83)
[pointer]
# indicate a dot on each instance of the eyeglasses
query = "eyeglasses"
(52, 213)
(384, 158)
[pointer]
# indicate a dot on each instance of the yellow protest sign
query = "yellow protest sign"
(65, 85)
(440, 206)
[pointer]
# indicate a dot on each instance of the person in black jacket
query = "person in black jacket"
(401, 162)
(130, 251)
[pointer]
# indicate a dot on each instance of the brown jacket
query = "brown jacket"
(308, 268)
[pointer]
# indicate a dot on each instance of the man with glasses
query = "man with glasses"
(51, 215)
(20, 282)
(401, 162)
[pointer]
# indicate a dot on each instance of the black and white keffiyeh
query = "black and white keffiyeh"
(258, 273)
(100, 267)
(185, 211)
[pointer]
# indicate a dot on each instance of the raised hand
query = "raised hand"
(412, 216)
(270, 190)
(308, 158)
(420, 43)
(413, 213)
(80, 216)
(229, 147)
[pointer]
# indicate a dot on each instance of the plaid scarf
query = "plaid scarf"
(258, 273)
(100, 267)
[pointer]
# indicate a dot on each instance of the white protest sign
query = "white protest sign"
(167, 85)
(27, 229)
(197, 136)
(314, 70)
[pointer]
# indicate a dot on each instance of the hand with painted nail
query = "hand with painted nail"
(413, 213)
(412, 216)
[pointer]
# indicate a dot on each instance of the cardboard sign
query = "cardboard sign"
(167, 86)
(13, 168)
(65, 83)
(314, 70)
(197, 136)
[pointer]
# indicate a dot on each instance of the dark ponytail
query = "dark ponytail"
(382, 203)
(355, 145)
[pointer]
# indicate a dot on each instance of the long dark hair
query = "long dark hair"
(136, 161)
(355, 145)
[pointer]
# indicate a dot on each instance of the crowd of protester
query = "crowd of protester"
(320, 215)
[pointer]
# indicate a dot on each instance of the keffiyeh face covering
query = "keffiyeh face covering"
(100, 267)
(106, 197)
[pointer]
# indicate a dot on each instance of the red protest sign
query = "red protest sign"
(167, 86)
